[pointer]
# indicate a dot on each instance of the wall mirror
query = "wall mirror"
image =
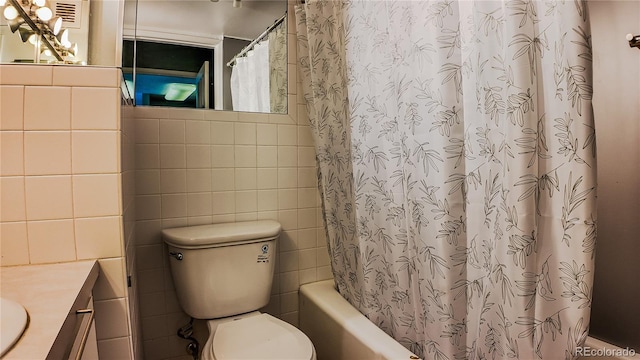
(223, 55)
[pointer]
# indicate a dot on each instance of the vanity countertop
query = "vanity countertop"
(48, 292)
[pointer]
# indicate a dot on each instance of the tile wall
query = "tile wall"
(200, 167)
(60, 181)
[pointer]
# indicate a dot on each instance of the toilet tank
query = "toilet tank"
(222, 269)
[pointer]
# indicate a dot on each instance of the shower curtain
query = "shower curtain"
(456, 164)
(259, 79)
(250, 80)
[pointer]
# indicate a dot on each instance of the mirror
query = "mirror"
(223, 55)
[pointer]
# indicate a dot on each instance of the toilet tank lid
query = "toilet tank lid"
(222, 234)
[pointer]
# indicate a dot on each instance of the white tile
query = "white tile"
(246, 201)
(116, 348)
(223, 202)
(246, 179)
(222, 156)
(267, 134)
(307, 258)
(174, 205)
(287, 135)
(253, 117)
(111, 281)
(147, 156)
(289, 261)
(96, 195)
(148, 232)
(218, 115)
(289, 240)
(289, 302)
(173, 157)
(223, 179)
(267, 200)
(14, 243)
(95, 108)
(250, 216)
(289, 281)
(303, 116)
(173, 181)
(307, 276)
(324, 273)
(98, 237)
(12, 199)
(21, 74)
(287, 199)
(287, 178)
(172, 131)
(287, 156)
(267, 156)
(198, 132)
(307, 238)
(322, 257)
(147, 131)
(86, 76)
(148, 207)
(245, 156)
(307, 197)
(47, 152)
(48, 197)
(111, 318)
(288, 219)
(51, 241)
(199, 204)
(306, 218)
(307, 177)
(245, 134)
(11, 107)
(12, 153)
(304, 136)
(306, 156)
(267, 178)
(222, 133)
(95, 151)
(154, 327)
(198, 156)
(199, 180)
(147, 182)
(47, 108)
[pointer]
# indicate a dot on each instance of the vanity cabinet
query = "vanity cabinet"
(59, 303)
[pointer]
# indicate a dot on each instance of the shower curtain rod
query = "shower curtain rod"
(256, 40)
(634, 40)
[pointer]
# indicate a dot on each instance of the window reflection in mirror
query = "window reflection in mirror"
(204, 54)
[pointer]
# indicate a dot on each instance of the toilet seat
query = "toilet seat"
(260, 337)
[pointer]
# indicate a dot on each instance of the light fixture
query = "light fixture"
(25, 34)
(10, 12)
(179, 91)
(44, 13)
(15, 24)
(37, 24)
(55, 24)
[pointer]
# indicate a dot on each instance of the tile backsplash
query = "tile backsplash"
(61, 181)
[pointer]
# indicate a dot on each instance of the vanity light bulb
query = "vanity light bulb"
(44, 13)
(47, 52)
(39, 2)
(32, 39)
(10, 13)
(3, 2)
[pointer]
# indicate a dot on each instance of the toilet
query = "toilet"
(223, 274)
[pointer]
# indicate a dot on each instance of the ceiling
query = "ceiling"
(204, 17)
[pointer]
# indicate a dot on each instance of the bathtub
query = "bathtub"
(340, 332)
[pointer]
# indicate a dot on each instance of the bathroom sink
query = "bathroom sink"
(13, 321)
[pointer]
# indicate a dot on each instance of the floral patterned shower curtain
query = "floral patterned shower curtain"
(456, 156)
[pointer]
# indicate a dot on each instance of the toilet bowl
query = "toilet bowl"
(256, 336)
(223, 274)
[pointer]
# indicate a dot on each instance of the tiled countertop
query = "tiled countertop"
(48, 292)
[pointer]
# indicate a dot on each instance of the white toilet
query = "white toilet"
(223, 273)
